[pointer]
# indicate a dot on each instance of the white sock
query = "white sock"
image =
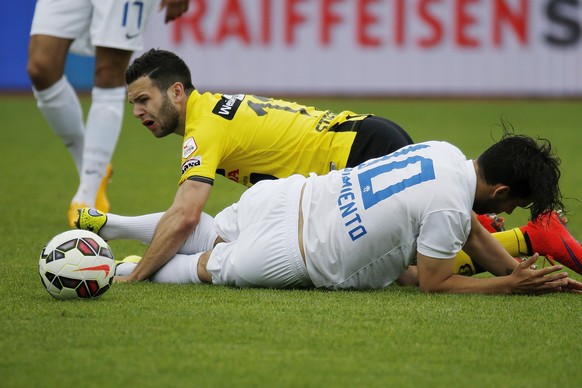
(124, 269)
(181, 269)
(141, 228)
(102, 132)
(62, 110)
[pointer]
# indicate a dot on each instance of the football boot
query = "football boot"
(549, 236)
(73, 212)
(492, 222)
(101, 200)
(90, 219)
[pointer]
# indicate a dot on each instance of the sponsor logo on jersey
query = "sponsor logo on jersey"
(194, 162)
(188, 147)
(233, 175)
(228, 105)
(349, 209)
(324, 121)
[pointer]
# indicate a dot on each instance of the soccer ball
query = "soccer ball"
(76, 264)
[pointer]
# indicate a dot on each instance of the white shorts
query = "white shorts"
(262, 234)
(104, 23)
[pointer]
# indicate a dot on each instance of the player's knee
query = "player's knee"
(109, 76)
(110, 65)
(40, 73)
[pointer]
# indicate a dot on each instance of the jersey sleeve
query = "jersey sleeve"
(201, 153)
(443, 234)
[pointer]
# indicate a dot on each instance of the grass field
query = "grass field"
(152, 335)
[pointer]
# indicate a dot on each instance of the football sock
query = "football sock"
(181, 269)
(102, 132)
(124, 269)
(142, 228)
(512, 240)
(464, 265)
(61, 108)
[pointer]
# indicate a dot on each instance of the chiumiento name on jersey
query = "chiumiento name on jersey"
(378, 180)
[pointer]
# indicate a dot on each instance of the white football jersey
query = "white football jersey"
(107, 23)
(365, 224)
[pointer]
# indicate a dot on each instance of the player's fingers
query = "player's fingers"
(554, 283)
(120, 279)
(548, 287)
(527, 263)
(549, 270)
(574, 284)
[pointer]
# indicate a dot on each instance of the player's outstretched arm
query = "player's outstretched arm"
(177, 223)
(435, 275)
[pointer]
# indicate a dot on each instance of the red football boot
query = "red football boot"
(549, 236)
(492, 222)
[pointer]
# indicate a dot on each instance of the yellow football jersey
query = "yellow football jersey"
(249, 138)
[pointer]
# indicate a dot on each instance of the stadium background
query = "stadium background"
(353, 47)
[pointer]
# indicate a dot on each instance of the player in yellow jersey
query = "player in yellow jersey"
(250, 138)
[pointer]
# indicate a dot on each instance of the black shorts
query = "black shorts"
(375, 137)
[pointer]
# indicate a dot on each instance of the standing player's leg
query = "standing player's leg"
(102, 129)
(58, 25)
(56, 98)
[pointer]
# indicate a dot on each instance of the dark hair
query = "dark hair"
(162, 67)
(528, 167)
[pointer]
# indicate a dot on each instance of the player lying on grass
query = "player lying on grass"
(402, 217)
(250, 138)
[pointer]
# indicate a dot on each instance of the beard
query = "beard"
(169, 117)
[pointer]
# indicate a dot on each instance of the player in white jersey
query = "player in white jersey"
(400, 217)
(382, 212)
(111, 30)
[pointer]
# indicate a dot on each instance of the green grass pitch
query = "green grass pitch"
(152, 335)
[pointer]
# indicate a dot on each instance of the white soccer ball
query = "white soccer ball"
(76, 264)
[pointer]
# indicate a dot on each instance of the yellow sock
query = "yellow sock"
(464, 265)
(513, 242)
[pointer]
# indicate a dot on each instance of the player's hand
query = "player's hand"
(573, 286)
(174, 8)
(528, 280)
(122, 279)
